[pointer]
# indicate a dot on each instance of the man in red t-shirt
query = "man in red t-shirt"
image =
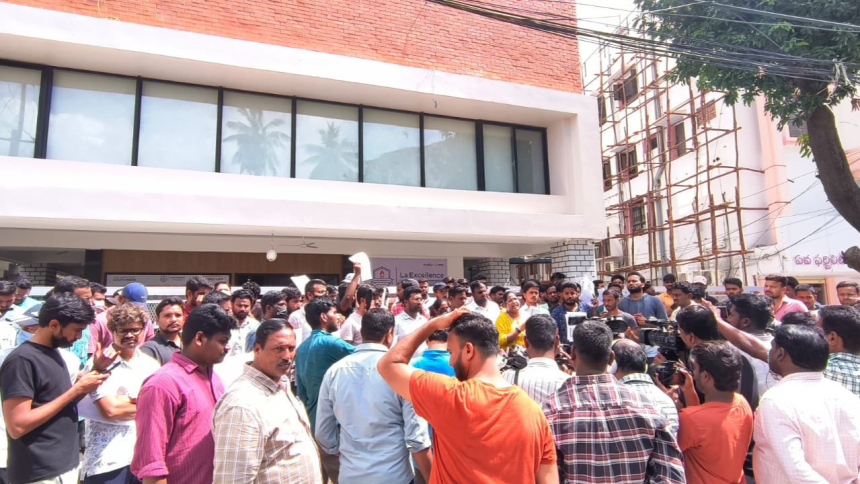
(715, 435)
(485, 430)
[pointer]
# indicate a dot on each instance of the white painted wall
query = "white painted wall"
(82, 205)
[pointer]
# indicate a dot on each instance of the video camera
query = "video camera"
(516, 359)
(572, 319)
(666, 337)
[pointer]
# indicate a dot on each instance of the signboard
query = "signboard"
(160, 280)
(388, 272)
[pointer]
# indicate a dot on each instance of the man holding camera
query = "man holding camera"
(541, 377)
(629, 368)
(593, 411)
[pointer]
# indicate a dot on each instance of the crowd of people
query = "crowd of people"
(455, 382)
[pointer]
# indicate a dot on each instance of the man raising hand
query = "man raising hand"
(471, 442)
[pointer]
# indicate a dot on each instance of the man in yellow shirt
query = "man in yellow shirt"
(666, 297)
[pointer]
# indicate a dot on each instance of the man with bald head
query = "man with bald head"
(629, 368)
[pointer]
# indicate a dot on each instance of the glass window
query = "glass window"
(178, 127)
(499, 159)
(19, 105)
(530, 162)
(392, 148)
(255, 134)
(326, 141)
(449, 154)
(92, 118)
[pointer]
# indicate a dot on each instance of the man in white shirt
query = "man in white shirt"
(481, 303)
(351, 329)
(750, 313)
(531, 299)
(242, 301)
(682, 294)
(807, 428)
(313, 289)
(411, 318)
(541, 377)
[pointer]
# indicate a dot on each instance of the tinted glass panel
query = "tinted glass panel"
(327, 141)
(255, 134)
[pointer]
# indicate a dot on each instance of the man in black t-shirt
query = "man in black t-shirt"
(39, 401)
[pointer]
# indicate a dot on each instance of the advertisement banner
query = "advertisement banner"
(388, 272)
(160, 280)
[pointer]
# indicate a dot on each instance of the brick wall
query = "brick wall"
(574, 259)
(497, 270)
(407, 32)
(39, 274)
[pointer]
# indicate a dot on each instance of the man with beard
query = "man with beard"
(465, 411)
(775, 287)
(241, 302)
(642, 306)
(167, 340)
(411, 319)
(261, 431)
(175, 405)
(363, 420)
(39, 400)
(314, 357)
(481, 303)
(570, 303)
(848, 293)
(196, 289)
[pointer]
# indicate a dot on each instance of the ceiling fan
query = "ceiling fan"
(272, 254)
(303, 245)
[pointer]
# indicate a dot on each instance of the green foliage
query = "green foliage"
(788, 99)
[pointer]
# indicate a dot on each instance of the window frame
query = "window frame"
(642, 223)
(44, 105)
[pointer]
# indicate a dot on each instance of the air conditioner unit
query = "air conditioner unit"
(683, 276)
(610, 267)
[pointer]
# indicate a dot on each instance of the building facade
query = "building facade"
(193, 137)
(696, 187)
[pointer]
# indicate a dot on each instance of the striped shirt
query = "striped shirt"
(174, 430)
(263, 435)
(605, 432)
(644, 385)
(539, 379)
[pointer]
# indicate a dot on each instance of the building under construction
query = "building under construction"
(685, 175)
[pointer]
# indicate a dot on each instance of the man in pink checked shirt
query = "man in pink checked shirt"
(175, 405)
(775, 287)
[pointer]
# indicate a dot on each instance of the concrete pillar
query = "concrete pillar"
(574, 258)
(497, 270)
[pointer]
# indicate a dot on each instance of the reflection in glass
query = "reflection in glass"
(530, 162)
(255, 135)
(178, 126)
(326, 141)
(449, 154)
(392, 148)
(498, 159)
(92, 118)
(19, 105)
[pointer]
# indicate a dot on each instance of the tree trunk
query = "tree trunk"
(833, 170)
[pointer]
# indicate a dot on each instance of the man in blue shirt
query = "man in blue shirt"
(316, 355)
(360, 417)
(570, 303)
(642, 307)
(436, 357)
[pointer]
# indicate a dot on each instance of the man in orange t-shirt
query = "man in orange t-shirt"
(485, 430)
(715, 435)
